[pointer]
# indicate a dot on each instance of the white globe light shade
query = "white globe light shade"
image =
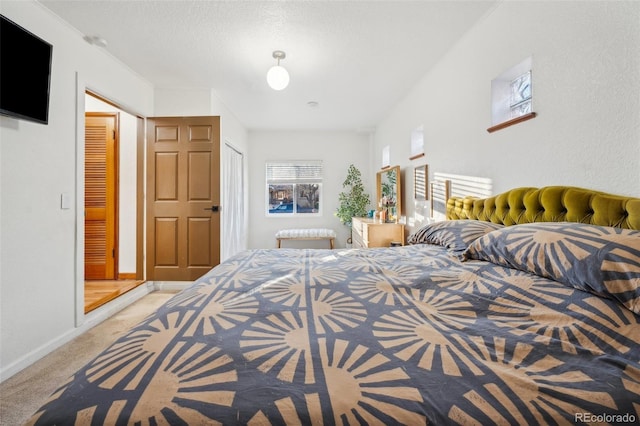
(277, 77)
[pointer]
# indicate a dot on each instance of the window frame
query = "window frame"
(294, 174)
(516, 104)
(504, 112)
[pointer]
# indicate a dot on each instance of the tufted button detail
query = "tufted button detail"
(553, 203)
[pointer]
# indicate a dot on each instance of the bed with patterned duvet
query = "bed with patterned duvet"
(472, 322)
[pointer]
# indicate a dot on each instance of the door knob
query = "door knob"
(213, 208)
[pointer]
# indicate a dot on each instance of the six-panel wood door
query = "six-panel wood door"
(100, 196)
(183, 184)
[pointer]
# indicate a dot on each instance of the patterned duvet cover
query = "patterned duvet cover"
(420, 334)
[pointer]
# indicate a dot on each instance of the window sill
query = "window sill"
(511, 122)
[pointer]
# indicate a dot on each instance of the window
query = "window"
(294, 188)
(511, 96)
(520, 100)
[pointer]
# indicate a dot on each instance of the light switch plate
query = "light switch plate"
(65, 201)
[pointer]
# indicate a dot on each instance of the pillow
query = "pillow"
(456, 235)
(599, 259)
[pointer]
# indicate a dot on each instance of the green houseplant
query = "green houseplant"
(353, 200)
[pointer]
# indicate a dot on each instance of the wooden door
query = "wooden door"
(100, 198)
(183, 195)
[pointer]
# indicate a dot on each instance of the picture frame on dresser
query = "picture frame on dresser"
(389, 191)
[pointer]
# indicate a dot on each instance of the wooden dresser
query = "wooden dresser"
(367, 232)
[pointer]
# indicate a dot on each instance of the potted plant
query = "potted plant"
(354, 200)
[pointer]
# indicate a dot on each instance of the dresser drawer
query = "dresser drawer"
(370, 233)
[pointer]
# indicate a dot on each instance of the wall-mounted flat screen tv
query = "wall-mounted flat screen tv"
(25, 73)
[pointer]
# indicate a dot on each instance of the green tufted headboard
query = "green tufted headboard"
(549, 204)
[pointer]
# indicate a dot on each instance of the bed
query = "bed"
(522, 308)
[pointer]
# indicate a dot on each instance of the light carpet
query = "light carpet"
(22, 394)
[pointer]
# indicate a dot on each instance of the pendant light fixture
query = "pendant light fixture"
(277, 76)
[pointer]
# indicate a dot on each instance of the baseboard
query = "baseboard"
(127, 275)
(169, 285)
(91, 319)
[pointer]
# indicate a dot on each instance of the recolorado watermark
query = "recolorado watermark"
(604, 418)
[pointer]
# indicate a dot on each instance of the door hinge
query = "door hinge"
(114, 134)
(113, 253)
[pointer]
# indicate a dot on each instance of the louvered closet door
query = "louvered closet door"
(183, 184)
(100, 196)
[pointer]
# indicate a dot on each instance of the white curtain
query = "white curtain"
(233, 220)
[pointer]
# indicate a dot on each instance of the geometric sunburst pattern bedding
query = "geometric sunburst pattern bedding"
(407, 335)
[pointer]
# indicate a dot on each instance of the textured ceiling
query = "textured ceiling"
(356, 59)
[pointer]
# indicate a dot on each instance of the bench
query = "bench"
(306, 234)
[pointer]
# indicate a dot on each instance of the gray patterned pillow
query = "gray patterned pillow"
(456, 235)
(599, 259)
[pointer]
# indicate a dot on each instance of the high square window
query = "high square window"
(512, 96)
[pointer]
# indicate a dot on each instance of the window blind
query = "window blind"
(294, 172)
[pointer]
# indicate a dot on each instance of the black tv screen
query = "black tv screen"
(25, 73)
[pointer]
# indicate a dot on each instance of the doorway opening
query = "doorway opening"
(114, 151)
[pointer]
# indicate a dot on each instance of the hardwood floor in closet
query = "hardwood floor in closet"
(97, 293)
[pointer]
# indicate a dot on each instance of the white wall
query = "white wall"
(337, 149)
(174, 102)
(586, 80)
(38, 257)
